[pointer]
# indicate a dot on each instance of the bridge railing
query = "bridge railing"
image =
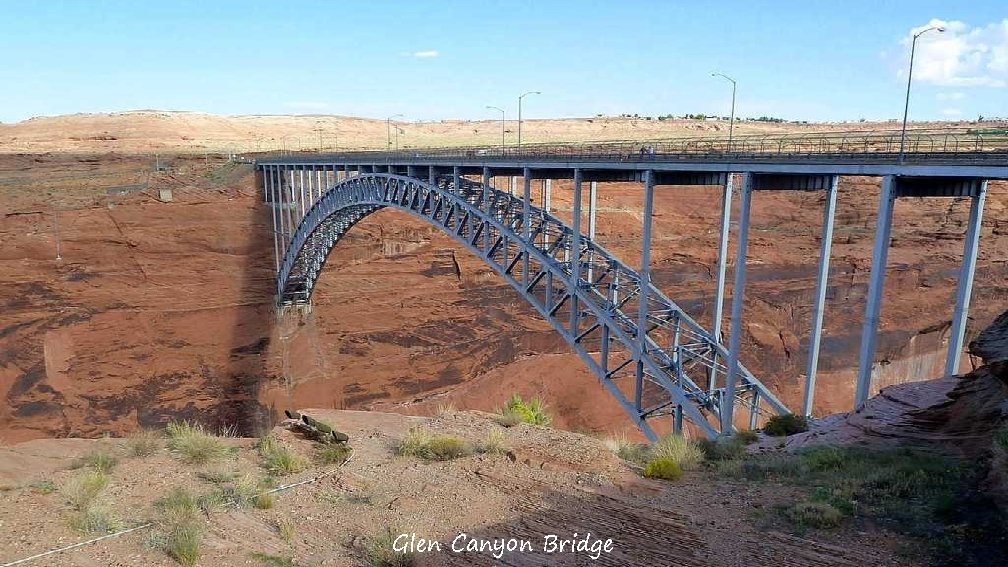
(972, 145)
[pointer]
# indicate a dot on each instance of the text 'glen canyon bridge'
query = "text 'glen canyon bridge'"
(662, 365)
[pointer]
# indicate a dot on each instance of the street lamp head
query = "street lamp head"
(940, 29)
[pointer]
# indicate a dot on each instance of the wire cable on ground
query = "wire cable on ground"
(77, 545)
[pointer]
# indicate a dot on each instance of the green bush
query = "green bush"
(518, 410)
(722, 448)
(92, 513)
(420, 442)
(381, 553)
(191, 443)
(332, 453)
(144, 443)
(823, 458)
(787, 424)
(814, 515)
(98, 460)
(185, 543)
(747, 436)
(663, 468)
(684, 452)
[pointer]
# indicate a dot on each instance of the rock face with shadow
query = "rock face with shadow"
(956, 414)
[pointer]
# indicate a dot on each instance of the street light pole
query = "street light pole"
(906, 105)
(731, 121)
(520, 97)
(388, 130)
(501, 110)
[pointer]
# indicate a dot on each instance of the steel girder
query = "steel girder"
(673, 368)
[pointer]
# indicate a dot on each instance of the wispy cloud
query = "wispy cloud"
(951, 112)
(962, 56)
(951, 96)
(428, 54)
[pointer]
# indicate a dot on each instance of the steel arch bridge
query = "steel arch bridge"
(651, 356)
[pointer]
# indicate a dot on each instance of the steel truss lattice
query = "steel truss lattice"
(673, 368)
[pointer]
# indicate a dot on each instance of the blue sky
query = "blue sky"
(808, 60)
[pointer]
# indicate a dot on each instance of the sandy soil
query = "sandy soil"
(548, 482)
(149, 131)
(163, 310)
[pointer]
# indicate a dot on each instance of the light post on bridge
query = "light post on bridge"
(501, 110)
(520, 97)
(906, 105)
(731, 121)
(388, 130)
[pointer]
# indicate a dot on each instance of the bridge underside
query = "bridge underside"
(656, 360)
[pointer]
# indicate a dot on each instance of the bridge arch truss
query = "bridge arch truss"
(657, 361)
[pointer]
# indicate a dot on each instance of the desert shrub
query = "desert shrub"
(446, 408)
(1001, 438)
(814, 515)
(636, 453)
(823, 458)
(722, 448)
(532, 411)
(664, 468)
(286, 527)
(184, 543)
(99, 460)
(43, 486)
(92, 512)
(332, 453)
(787, 424)
(420, 442)
(381, 553)
(278, 458)
(217, 475)
(493, 443)
(84, 489)
(97, 518)
(240, 493)
(177, 507)
(684, 452)
(746, 436)
(270, 560)
(191, 443)
(144, 443)
(263, 501)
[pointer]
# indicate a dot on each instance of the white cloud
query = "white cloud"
(951, 96)
(962, 56)
(951, 112)
(428, 54)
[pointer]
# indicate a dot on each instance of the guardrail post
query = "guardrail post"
(965, 286)
(873, 305)
(738, 301)
(822, 277)
(645, 281)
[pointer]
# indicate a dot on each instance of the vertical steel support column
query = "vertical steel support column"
(822, 279)
(575, 256)
(965, 287)
(549, 191)
(526, 220)
(738, 301)
(431, 176)
(268, 182)
(592, 194)
(486, 209)
(873, 306)
(722, 264)
(311, 191)
(457, 183)
(301, 188)
(645, 281)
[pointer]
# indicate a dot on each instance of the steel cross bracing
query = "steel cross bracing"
(673, 367)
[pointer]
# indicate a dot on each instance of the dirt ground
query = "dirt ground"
(161, 310)
(547, 482)
(150, 131)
